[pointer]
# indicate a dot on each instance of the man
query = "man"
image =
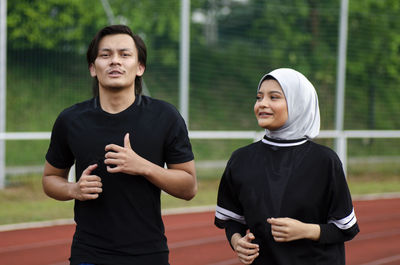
(119, 141)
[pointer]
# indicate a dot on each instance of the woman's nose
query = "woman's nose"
(264, 103)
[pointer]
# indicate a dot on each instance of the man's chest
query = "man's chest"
(88, 140)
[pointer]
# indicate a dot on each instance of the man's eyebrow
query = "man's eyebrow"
(125, 49)
(122, 49)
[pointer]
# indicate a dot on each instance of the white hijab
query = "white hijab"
(302, 103)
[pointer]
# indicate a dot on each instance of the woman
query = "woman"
(285, 200)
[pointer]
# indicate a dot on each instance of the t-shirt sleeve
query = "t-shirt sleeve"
(59, 153)
(228, 206)
(177, 146)
(342, 222)
(233, 227)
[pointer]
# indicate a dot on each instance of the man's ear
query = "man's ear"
(141, 69)
(92, 70)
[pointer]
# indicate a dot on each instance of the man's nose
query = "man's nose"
(115, 59)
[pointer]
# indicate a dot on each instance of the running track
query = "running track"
(193, 240)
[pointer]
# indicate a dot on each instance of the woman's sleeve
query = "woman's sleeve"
(233, 227)
(342, 221)
(229, 212)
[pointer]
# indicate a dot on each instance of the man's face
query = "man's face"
(116, 65)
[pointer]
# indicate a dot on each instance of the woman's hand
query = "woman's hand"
(246, 251)
(288, 229)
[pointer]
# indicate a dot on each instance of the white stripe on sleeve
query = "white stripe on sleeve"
(345, 223)
(224, 214)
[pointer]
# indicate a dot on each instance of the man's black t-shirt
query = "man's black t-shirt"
(126, 218)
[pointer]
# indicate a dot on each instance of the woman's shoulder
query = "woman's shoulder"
(323, 152)
(246, 152)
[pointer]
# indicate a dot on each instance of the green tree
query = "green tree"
(52, 24)
(70, 24)
(373, 71)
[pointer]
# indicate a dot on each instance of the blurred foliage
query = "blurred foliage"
(233, 43)
(70, 24)
(373, 65)
(39, 23)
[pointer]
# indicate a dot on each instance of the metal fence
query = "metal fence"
(206, 57)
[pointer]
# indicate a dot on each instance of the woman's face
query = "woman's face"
(271, 108)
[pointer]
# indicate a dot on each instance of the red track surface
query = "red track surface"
(193, 240)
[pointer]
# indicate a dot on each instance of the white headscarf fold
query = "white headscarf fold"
(302, 103)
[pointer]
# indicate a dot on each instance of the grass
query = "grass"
(369, 178)
(207, 195)
(24, 201)
(362, 187)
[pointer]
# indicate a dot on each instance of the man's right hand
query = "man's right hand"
(89, 186)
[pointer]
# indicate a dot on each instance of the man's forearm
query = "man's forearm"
(58, 188)
(179, 180)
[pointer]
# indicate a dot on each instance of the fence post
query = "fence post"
(3, 85)
(184, 61)
(341, 75)
(341, 145)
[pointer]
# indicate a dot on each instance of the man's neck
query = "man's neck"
(114, 101)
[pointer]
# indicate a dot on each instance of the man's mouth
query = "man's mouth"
(115, 72)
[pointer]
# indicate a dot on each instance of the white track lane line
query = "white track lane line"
(44, 244)
(369, 236)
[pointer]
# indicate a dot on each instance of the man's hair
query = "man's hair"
(93, 50)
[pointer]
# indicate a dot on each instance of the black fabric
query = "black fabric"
(126, 218)
(149, 259)
(330, 233)
(305, 182)
(232, 227)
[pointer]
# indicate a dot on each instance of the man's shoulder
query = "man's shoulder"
(77, 108)
(157, 105)
(154, 102)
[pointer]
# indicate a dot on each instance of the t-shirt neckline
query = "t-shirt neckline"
(283, 143)
(98, 107)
